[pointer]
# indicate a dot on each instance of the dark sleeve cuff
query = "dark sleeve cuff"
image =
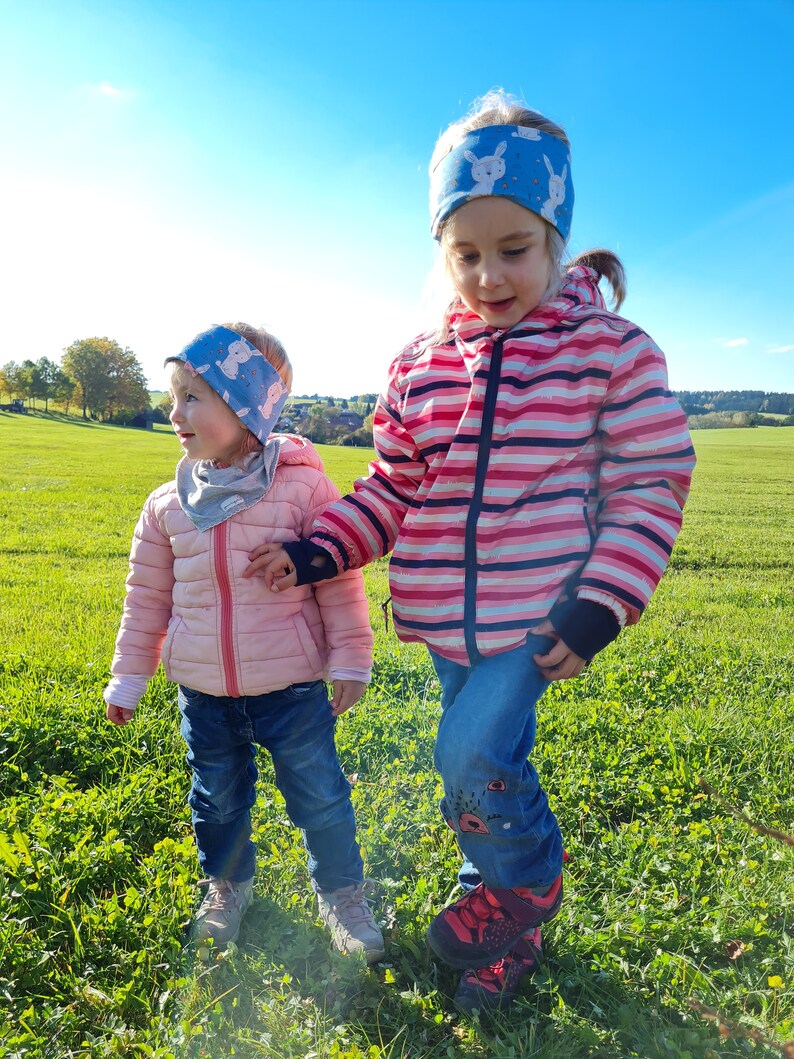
(585, 626)
(301, 553)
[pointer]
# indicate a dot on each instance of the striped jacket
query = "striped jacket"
(518, 468)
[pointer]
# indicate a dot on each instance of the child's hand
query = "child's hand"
(346, 694)
(118, 715)
(273, 563)
(559, 662)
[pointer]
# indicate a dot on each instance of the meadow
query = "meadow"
(676, 936)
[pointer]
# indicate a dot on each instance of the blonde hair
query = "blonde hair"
(275, 354)
(497, 107)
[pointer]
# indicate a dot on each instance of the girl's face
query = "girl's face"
(498, 257)
(205, 425)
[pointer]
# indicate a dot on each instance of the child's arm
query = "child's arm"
(644, 477)
(145, 616)
(363, 525)
(344, 610)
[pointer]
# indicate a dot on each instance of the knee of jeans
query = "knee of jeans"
(456, 756)
(221, 807)
(321, 815)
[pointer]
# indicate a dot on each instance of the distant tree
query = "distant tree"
(314, 425)
(128, 392)
(163, 410)
(25, 380)
(344, 404)
(49, 380)
(9, 379)
(109, 379)
(361, 438)
(64, 388)
(86, 361)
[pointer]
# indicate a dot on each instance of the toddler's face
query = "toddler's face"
(498, 257)
(205, 425)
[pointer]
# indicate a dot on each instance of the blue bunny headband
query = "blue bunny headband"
(531, 167)
(240, 374)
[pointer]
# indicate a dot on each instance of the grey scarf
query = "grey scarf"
(209, 495)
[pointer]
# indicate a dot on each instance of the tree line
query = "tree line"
(104, 380)
(107, 382)
(702, 402)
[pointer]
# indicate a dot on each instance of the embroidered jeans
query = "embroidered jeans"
(492, 795)
(296, 726)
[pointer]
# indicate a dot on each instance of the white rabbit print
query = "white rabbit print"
(237, 353)
(274, 392)
(486, 171)
(523, 132)
(556, 191)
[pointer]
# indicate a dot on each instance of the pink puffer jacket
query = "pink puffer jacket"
(219, 633)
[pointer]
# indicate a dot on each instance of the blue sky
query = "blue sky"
(168, 165)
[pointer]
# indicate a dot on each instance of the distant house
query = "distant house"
(142, 421)
(351, 420)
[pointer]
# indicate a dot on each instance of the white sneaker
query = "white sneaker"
(222, 910)
(349, 918)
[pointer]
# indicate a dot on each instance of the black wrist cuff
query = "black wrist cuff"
(301, 553)
(585, 626)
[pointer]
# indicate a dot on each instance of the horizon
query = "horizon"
(157, 176)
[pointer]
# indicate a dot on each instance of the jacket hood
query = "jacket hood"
(579, 290)
(297, 450)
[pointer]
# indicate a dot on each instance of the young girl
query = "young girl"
(531, 471)
(250, 666)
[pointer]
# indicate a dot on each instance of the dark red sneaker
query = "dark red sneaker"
(494, 988)
(485, 924)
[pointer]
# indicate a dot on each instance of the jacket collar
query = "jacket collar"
(579, 289)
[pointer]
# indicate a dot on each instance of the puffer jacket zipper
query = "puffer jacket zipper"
(483, 456)
(221, 563)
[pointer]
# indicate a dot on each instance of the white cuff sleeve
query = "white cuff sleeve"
(350, 674)
(607, 601)
(125, 692)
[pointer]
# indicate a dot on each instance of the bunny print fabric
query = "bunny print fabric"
(529, 166)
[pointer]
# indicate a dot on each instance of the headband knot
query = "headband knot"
(531, 167)
(239, 373)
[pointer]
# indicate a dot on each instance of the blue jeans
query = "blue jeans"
(296, 726)
(492, 795)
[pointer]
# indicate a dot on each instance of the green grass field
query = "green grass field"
(675, 904)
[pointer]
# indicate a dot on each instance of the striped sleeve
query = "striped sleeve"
(644, 478)
(363, 525)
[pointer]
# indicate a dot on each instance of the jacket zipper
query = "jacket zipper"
(483, 456)
(221, 532)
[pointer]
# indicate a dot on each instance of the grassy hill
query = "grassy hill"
(677, 905)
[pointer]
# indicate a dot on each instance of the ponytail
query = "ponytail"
(608, 266)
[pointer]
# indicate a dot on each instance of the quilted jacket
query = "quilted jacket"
(517, 469)
(219, 633)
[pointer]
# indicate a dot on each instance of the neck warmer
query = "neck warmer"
(209, 494)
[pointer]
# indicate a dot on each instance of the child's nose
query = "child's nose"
(491, 275)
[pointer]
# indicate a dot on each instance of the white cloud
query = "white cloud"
(111, 91)
(734, 343)
(780, 349)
